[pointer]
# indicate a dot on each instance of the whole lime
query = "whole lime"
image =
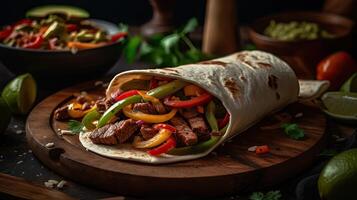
(338, 179)
(20, 94)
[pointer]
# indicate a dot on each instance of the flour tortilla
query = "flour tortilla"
(250, 84)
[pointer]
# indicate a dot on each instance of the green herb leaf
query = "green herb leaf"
(75, 126)
(169, 42)
(131, 49)
(190, 26)
(271, 195)
(293, 131)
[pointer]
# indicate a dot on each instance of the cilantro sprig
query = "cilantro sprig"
(293, 131)
(170, 50)
(75, 126)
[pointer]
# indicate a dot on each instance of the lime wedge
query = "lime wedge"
(338, 179)
(350, 85)
(20, 94)
(340, 105)
(5, 115)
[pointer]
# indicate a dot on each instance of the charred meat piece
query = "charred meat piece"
(188, 113)
(98, 136)
(160, 108)
(125, 129)
(108, 103)
(199, 126)
(147, 131)
(101, 107)
(61, 113)
(147, 108)
(184, 133)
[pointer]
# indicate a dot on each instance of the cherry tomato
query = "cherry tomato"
(336, 68)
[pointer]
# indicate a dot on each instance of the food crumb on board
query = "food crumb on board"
(300, 114)
(61, 184)
(252, 148)
(50, 145)
(16, 126)
(54, 183)
(19, 162)
(18, 132)
(97, 83)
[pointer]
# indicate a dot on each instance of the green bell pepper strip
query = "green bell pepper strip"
(199, 148)
(89, 118)
(159, 92)
(210, 116)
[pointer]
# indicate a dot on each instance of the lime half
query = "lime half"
(338, 179)
(20, 94)
(350, 85)
(340, 105)
(5, 115)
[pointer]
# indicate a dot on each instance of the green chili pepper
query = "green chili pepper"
(159, 92)
(89, 118)
(199, 148)
(210, 116)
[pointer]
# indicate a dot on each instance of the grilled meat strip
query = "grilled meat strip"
(147, 108)
(147, 131)
(114, 133)
(61, 113)
(199, 126)
(184, 133)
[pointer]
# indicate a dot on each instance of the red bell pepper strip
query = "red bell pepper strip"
(262, 149)
(34, 43)
(6, 32)
(126, 94)
(118, 36)
(154, 83)
(223, 122)
(197, 101)
(164, 148)
(165, 126)
(71, 27)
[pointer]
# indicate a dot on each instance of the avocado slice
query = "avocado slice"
(70, 12)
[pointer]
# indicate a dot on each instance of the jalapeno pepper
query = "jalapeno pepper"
(89, 118)
(159, 92)
(164, 148)
(148, 117)
(196, 101)
(210, 116)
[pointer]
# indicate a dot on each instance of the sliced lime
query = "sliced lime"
(20, 94)
(341, 105)
(350, 85)
(5, 115)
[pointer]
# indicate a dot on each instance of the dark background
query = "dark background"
(136, 12)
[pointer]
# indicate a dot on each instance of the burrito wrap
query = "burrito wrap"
(250, 85)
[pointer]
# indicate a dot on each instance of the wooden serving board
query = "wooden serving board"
(230, 169)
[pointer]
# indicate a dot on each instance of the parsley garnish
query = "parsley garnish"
(271, 195)
(75, 126)
(293, 131)
(165, 50)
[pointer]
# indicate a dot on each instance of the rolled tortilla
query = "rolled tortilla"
(250, 84)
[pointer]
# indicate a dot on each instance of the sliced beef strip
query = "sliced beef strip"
(61, 113)
(147, 131)
(125, 129)
(160, 108)
(101, 107)
(188, 113)
(199, 126)
(96, 135)
(184, 133)
(147, 108)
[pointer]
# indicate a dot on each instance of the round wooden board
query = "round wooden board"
(230, 169)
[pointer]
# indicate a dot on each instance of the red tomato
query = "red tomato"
(336, 68)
